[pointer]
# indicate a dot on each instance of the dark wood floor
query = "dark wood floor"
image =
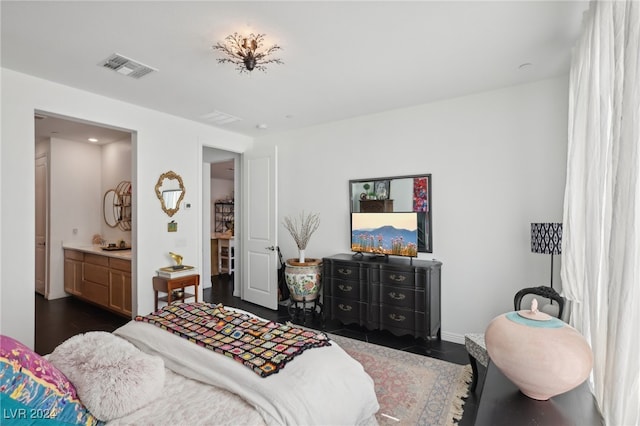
(57, 320)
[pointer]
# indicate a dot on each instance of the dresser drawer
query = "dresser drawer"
(399, 296)
(396, 277)
(398, 318)
(349, 290)
(346, 310)
(345, 271)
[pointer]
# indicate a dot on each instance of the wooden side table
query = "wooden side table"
(168, 285)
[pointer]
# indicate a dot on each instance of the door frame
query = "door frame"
(45, 158)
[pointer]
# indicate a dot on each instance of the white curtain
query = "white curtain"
(601, 241)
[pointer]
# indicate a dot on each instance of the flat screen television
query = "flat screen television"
(386, 234)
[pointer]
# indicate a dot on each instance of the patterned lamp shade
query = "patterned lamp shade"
(546, 238)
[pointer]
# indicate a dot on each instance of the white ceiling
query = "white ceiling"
(223, 170)
(341, 59)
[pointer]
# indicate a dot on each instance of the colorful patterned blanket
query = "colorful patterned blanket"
(263, 346)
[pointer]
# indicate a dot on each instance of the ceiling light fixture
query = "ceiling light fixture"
(93, 140)
(247, 52)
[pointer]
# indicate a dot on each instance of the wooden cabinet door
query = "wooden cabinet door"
(72, 276)
(116, 290)
(120, 291)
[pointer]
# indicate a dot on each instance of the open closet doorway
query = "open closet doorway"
(220, 215)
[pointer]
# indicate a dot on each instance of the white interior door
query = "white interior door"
(259, 231)
(41, 226)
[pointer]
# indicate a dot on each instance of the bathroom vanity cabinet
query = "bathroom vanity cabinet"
(102, 279)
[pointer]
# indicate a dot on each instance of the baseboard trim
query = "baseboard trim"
(452, 337)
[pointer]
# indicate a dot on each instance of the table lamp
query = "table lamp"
(546, 238)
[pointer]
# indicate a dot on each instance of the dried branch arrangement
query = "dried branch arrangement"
(301, 228)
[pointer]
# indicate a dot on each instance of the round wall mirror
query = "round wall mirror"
(170, 191)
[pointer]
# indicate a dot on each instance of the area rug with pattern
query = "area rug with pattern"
(412, 389)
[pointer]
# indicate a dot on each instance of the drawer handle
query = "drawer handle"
(398, 318)
(398, 296)
(345, 308)
(345, 287)
(344, 271)
(397, 278)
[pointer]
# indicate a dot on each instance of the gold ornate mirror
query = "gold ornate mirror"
(170, 191)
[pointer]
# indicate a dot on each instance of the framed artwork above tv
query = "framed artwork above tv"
(400, 194)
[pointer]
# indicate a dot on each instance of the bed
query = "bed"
(148, 372)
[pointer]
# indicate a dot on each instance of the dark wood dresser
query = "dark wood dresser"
(394, 294)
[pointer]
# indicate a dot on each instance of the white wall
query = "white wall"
(75, 207)
(497, 159)
(498, 164)
(80, 173)
(161, 143)
(116, 167)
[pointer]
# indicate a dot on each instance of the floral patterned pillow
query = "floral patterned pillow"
(36, 390)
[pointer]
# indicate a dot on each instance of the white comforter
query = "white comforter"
(323, 386)
(189, 402)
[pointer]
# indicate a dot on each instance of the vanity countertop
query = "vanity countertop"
(97, 249)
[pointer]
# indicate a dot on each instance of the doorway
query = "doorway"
(220, 216)
(68, 200)
(69, 214)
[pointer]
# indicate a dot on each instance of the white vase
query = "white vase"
(301, 256)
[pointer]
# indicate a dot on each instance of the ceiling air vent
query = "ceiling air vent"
(219, 118)
(125, 66)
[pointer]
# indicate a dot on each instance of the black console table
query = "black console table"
(502, 404)
(386, 293)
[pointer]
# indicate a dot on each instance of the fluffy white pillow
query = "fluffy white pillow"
(112, 377)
